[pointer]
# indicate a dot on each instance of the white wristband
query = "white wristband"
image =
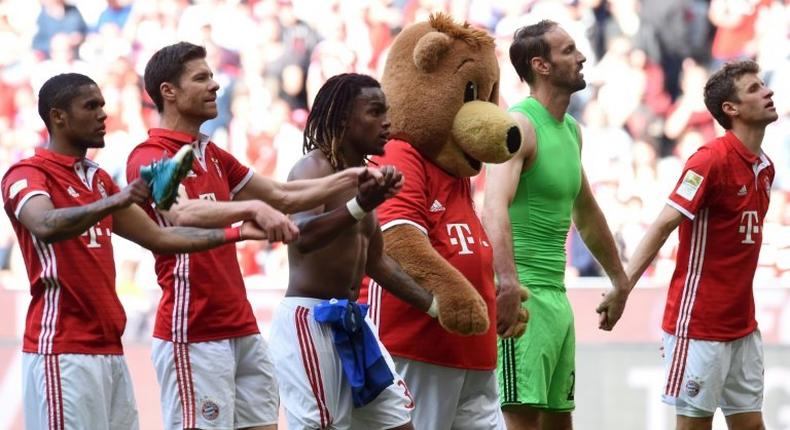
(433, 311)
(355, 209)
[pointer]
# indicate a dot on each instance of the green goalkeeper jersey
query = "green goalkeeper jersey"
(540, 214)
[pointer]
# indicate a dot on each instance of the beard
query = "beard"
(572, 84)
(572, 81)
(578, 85)
(85, 143)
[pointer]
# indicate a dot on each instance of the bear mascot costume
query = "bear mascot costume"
(441, 80)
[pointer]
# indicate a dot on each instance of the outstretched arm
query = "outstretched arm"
(655, 237)
(214, 214)
(133, 224)
(302, 194)
(613, 304)
(388, 273)
(50, 225)
(317, 227)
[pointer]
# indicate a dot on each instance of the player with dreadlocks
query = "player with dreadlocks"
(338, 362)
(326, 122)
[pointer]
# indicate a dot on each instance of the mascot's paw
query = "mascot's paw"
(467, 315)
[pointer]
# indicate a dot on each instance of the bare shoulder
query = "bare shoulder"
(314, 164)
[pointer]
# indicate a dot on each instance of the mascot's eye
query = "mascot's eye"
(470, 93)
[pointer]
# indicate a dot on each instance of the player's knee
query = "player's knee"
(685, 422)
(748, 421)
(556, 421)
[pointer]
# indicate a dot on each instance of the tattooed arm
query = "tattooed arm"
(133, 224)
(49, 224)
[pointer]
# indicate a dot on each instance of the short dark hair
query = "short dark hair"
(332, 106)
(720, 88)
(58, 92)
(167, 65)
(530, 42)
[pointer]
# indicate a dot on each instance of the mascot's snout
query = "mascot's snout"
(485, 133)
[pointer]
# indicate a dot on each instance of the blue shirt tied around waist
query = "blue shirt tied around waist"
(363, 365)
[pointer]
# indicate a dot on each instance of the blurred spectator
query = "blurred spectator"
(116, 13)
(58, 18)
(689, 111)
(735, 32)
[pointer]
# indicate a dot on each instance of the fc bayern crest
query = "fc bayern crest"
(209, 409)
(692, 387)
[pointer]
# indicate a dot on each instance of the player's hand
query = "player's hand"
(611, 308)
(251, 231)
(136, 192)
(277, 226)
(374, 190)
(511, 316)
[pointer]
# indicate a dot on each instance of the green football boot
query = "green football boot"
(163, 176)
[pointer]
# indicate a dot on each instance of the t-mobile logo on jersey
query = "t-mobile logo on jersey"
(750, 226)
(459, 233)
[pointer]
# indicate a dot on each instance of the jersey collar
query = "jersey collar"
(65, 160)
(758, 162)
(199, 142)
(735, 144)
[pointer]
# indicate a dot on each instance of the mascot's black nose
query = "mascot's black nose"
(513, 139)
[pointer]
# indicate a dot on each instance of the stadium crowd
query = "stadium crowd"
(642, 111)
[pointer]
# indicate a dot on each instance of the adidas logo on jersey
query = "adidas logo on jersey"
(436, 206)
(72, 192)
(742, 191)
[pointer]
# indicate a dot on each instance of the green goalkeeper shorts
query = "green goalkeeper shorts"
(538, 369)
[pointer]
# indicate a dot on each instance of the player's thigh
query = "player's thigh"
(87, 384)
(521, 417)
(436, 391)
(526, 365)
(257, 400)
(695, 375)
(197, 383)
(743, 388)
(308, 372)
(478, 407)
(746, 421)
(76, 391)
(562, 387)
(34, 391)
(212, 367)
(390, 409)
(123, 410)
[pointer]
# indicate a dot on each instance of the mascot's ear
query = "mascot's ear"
(430, 49)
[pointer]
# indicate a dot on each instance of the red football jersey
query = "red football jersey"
(74, 308)
(203, 292)
(724, 192)
(439, 205)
